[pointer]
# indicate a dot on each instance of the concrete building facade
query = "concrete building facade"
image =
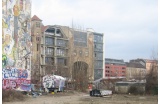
(64, 51)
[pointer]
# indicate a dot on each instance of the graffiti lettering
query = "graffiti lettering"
(13, 84)
(14, 73)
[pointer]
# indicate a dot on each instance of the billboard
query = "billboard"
(16, 44)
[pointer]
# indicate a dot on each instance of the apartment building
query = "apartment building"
(64, 51)
(115, 68)
(135, 70)
(147, 63)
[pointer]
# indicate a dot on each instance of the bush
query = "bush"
(133, 90)
(11, 95)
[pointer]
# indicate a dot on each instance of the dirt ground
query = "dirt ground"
(84, 98)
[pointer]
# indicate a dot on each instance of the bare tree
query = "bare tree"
(152, 76)
(152, 79)
(62, 71)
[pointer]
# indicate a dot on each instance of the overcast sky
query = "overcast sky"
(130, 27)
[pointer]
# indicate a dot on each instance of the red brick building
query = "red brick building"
(115, 68)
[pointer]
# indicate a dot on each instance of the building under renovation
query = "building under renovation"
(66, 51)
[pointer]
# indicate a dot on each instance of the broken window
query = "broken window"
(58, 32)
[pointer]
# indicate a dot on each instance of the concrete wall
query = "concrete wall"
(16, 43)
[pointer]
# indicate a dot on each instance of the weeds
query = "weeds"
(11, 95)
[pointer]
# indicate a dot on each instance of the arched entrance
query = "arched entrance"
(79, 67)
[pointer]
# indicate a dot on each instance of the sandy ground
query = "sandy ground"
(84, 98)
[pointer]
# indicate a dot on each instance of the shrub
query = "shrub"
(11, 95)
(133, 90)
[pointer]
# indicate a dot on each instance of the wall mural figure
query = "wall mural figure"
(16, 44)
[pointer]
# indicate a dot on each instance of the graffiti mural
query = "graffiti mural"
(16, 43)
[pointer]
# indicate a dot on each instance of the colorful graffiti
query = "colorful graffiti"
(16, 42)
(15, 78)
(14, 73)
(48, 81)
(53, 81)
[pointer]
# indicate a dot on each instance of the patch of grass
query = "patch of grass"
(12, 95)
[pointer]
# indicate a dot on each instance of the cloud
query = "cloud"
(130, 27)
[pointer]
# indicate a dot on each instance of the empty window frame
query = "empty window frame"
(49, 60)
(58, 32)
(60, 52)
(61, 43)
(49, 41)
(62, 61)
(49, 51)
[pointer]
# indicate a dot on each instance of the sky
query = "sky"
(130, 27)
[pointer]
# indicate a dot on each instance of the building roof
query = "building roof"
(151, 61)
(44, 28)
(114, 61)
(135, 65)
(35, 18)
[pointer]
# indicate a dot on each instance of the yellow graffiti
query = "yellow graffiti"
(4, 25)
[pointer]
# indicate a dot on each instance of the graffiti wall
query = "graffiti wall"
(16, 43)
